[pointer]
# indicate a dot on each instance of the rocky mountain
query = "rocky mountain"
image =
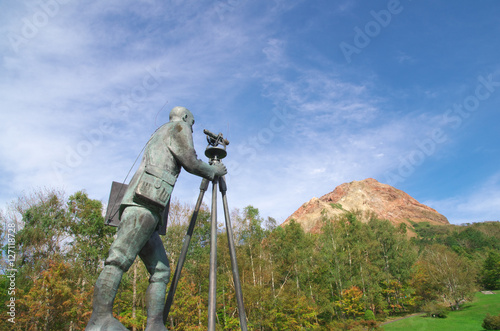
(367, 196)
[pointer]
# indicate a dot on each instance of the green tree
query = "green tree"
(396, 251)
(43, 232)
(188, 304)
(251, 235)
(469, 240)
(195, 272)
(253, 258)
(91, 238)
(57, 237)
(452, 275)
(179, 216)
(331, 268)
(291, 251)
(426, 291)
(490, 273)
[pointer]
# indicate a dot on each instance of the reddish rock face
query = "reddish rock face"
(370, 197)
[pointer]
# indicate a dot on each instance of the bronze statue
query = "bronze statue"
(141, 220)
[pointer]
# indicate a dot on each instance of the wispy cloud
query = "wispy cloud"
(81, 95)
(335, 131)
(95, 86)
(484, 200)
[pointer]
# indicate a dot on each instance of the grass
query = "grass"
(337, 206)
(469, 318)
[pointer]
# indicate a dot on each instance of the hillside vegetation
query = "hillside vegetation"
(351, 274)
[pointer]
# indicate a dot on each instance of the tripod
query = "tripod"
(215, 154)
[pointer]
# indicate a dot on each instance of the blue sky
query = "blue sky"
(311, 94)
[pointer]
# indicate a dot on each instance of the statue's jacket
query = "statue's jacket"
(169, 149)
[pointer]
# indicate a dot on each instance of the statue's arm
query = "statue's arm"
(182, 147)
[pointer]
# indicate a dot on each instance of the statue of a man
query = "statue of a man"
(148, 194)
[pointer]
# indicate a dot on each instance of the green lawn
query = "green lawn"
(469, 318)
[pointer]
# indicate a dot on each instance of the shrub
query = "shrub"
(491, 322)
(369, 315)
(337, 206)
(369, 325)
(433, 309)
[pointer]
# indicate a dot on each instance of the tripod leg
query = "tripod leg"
(232, 254)
(185, 247)
(212, 288)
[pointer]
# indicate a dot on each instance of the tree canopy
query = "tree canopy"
(351, 273)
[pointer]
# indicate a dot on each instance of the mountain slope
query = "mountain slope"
(367, 196)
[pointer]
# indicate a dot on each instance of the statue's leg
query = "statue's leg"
(136, 226)
(155, 259)
(104, 296)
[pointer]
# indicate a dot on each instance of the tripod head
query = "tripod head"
(216, 149)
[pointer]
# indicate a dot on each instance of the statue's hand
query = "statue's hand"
(220, 169)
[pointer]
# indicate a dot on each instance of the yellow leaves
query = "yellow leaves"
(350, 303)
(55, 300)
(188, 311)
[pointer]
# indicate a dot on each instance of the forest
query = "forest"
(352, 275)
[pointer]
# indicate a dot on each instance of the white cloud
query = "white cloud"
(85, 70)
(80, 96)
(484, 200)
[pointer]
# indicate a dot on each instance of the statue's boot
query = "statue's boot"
(155, 298)
(104, 296)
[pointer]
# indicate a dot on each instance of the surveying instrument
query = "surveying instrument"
(215, 151)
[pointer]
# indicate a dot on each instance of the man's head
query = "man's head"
(178, 114)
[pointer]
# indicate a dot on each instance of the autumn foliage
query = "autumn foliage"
(351, 275)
